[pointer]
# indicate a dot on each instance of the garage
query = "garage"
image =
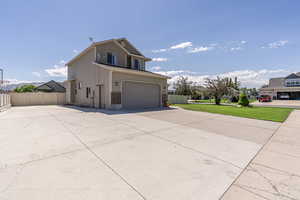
(140, 95)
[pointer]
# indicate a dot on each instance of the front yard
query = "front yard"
(262, 113)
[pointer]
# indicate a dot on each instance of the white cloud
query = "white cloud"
(11, 81)
(231, 45)
(159, 50)
(173, 73)
(248, 78)
(182, 45)
(62, 62)
(38, 74)
(235, 48)
(159, 59)
(75, 51)
(276, 44)
(199, 49)
(155, 68)
(59, 70)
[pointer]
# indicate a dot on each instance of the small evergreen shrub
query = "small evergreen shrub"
(234, 99)
(243, 100)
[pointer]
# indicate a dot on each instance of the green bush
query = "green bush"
(243, 100)
(25, 88)
(234, 99)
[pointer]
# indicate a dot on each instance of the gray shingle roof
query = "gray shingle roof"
(51, 86)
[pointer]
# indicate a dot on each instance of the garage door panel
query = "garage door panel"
(140, 95)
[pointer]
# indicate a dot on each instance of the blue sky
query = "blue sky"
(254, 39)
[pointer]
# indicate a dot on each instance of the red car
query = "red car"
(264, 98)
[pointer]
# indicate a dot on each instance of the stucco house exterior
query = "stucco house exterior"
(112, 74)
(283, 87)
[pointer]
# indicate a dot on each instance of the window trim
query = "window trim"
(114, 59)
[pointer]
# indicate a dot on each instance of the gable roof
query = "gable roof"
(123, 43)
(292, 75)
(51, 86)
(129, 47)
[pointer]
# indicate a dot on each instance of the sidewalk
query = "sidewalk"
(274, 174)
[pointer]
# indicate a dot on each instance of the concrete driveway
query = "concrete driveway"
(69, 153)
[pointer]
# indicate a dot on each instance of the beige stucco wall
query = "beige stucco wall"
(118, 79)
(90, 75)
(113, 48)
(37, 98)
(84, 71)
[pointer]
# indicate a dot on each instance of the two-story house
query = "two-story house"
(283, 87)
(112, 74)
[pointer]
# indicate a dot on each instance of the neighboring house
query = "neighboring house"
(284, 87)
(112, 74)
(51, 86)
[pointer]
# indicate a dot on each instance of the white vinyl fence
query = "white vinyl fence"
(4, 101)
(37, 98)
(178, 99)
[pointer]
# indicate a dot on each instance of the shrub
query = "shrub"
(25, 88)
(234, 99)
(243, 100)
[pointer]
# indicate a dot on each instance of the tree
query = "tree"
(236, 84)
(25, 88)
(243, 101)
(183, 86)
(219, 87)
(265, 86)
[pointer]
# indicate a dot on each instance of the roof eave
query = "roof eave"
(130, 71)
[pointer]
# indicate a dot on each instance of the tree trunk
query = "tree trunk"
(217, 100)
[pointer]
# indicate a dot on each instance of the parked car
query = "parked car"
(284, 96)
(265, 98)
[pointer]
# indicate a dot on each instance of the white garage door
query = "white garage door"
(140, 95)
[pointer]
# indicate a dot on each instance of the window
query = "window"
(128, 61)
(293, 83)
(136, 64)
(142, 65)
(98, 57)
(88, 92)
(79, 85)
(111, 59)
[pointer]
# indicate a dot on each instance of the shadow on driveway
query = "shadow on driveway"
(115, 112)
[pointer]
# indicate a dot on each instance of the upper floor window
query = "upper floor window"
(111, 59)
(142, 65)
(136, 64)
(293, 83)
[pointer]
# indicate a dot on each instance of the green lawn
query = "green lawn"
(262, 113)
